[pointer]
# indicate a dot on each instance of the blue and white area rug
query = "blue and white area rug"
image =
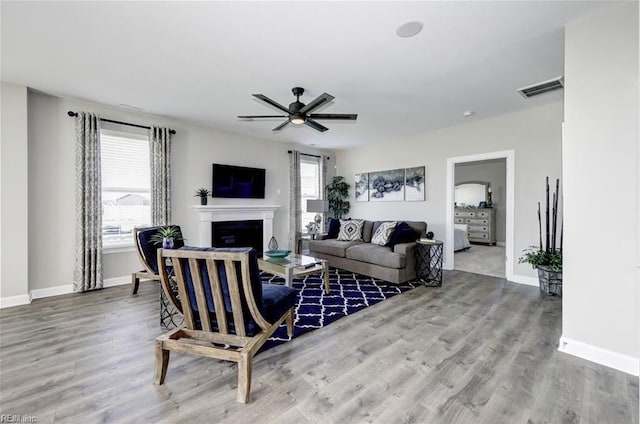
(349, 293)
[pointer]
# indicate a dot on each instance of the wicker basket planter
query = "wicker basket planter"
(550, 281)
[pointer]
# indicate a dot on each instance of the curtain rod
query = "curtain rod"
(71, 113)
(308, 154)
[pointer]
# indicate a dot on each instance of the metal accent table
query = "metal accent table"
(429, 262)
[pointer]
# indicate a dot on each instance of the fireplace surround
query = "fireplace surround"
(218, 213)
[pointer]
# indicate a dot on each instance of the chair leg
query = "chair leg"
(135, 282)
(162, 363)
(289, 321)
(244, 378)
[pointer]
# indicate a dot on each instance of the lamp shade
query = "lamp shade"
(317, 205)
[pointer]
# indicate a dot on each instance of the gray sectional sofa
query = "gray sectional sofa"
(394, 264)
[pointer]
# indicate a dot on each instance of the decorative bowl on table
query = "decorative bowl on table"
(277, 253)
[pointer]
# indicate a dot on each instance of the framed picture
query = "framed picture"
(415, 183)
(362, 187)
(386, 186)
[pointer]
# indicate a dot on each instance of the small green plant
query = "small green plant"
(537, 257)
(202, 192)
(168, 231)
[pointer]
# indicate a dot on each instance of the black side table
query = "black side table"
(429, 262)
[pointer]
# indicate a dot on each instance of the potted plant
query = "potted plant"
(547, 258)
(167, 235)
(203, 193)
(337, 195)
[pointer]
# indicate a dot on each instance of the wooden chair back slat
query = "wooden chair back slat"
(218, 300)
(182, 290)
(234, 294)
(201, 298)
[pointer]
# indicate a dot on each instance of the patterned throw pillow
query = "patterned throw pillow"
(350, 230)
(383, 233)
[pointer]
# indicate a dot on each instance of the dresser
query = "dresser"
(481, 224)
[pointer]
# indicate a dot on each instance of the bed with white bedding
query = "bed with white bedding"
(460, 240)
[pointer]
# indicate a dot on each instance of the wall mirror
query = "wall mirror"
(471, 193)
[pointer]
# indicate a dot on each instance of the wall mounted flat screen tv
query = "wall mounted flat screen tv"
(238, 182)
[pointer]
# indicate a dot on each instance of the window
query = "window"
(309, 187)
(126, 186)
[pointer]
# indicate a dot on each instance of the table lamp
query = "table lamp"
(319, 206)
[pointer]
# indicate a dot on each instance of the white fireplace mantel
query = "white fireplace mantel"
(216, 213)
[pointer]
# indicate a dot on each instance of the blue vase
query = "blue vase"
(167, 242)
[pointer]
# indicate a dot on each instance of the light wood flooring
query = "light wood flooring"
(481, 259)
(477, 350)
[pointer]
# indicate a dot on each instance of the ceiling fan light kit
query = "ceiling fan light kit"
(298, 113)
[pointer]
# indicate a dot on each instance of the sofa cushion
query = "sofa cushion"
(402, 234)
(331, 247)
(334, 228)
(374, 254)
(383, 233)
(350, 230)
(367, 231)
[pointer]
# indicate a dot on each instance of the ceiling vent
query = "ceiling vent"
(541, 87)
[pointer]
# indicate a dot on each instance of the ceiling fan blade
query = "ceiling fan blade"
(346, 116)
(271, 102)
(281, 126)
(313, 124)
(261, 116)
(319, 101)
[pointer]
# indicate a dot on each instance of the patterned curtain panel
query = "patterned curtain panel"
(160, 152)
(323, 183)
(295, 212)
(323, 176)
(87, 274)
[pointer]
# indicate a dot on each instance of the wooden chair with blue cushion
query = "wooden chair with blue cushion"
(147, 253)
(228, 313)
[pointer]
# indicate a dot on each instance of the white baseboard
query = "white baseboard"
(608, 358)
(524, 279)
(52, 291)
(501, 243)
(25, 299)
(7, 302)
(117, 281)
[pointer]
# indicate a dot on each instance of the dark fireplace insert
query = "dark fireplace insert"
(237, 234)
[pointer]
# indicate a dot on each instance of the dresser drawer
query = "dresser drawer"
(465, 214)
(477, 221)
(483, 214)
(478, 236)
(478, 229)
(459, 220)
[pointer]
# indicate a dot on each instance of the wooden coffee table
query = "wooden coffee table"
(295, 266)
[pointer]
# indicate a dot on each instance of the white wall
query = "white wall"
(494, 172)
(14, 185)
(52, 183)
(534, 134)
(601, 277)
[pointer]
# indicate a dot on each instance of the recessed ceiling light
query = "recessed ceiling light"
(409, 29)
(468, 113)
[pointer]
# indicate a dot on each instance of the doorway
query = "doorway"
(491, 246)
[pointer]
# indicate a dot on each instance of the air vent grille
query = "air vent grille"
(542, 87)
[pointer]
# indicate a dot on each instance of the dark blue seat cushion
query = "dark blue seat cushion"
(272, 300)
(277, 300)
(150, 249)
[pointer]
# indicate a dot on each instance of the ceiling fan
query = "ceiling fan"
(298, 113)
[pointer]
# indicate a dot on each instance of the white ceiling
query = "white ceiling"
(201, 61)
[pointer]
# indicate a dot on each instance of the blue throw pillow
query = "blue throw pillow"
(402, 234)
(334, 228)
